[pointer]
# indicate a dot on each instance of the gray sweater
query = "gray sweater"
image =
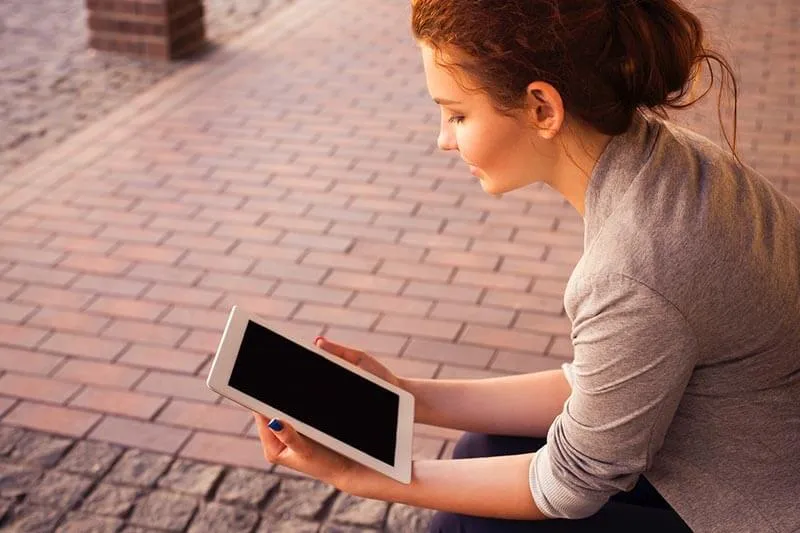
(686, 330)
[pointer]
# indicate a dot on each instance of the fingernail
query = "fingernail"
(316, 341)
(275, 425)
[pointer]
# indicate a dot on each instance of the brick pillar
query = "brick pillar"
(153, 29)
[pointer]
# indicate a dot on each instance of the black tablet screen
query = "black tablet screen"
(295, 380)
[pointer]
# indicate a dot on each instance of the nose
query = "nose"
(446, 140)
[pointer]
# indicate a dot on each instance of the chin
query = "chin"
(492, 188)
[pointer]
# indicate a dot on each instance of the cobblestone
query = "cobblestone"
(359, 511)
(300, 498)
(9, 436)
(216, 517)
(48, 92)
(403, 518)
(164, 510)
(77, 522)
(190, 477)
(111, 500)
(40, 449)
(29, 518)
(139, 468)
(59, 490)
(246, 487)
(90, 458)
(17, 480)
(293, 525)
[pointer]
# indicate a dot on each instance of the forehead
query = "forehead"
(443, 82)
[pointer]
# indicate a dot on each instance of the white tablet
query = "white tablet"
(324, 397)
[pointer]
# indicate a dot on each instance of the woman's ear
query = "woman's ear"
(545, 109)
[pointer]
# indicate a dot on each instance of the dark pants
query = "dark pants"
(641, 509)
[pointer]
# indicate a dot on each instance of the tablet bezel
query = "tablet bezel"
(220, 373)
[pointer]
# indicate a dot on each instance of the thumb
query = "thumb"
(289, 437)
(348, 354)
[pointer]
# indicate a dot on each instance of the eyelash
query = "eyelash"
(455, 120)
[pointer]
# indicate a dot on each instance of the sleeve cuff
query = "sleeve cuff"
(551, 496)
(568, 373)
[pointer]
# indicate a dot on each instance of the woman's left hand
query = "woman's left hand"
(284, 446)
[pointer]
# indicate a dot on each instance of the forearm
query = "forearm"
(495, 487)
(524, 405)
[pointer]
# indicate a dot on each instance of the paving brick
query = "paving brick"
(168, 274)
(72, 321)
(370, 342)
(204, 416)
(237, 283)
(519, 363)
(127, 308)
(178, 294)
(541, 323)
(409, 368)
(492, 279)
(369, 233)
(9, 289)
(340, 260)
(551, 287)
(445, 352)
(83, 346)
(397, 304)
(40, 275)
(145, 435)
(13, 313)
(109, 285)
(336, 315)
(144, 332)
(54, 298)
(504, 338)
(364, 282)
(28, 361)
(156, 357)
(36, 388)
(385, 251)
(531, 267)
(31, 256)
(109, 375)
(60, 420)
(268, 306)
(568, 256)
(443, 291)
(201, 341)
(132, 234)
(406, 325)
(94, 263)
(177, 385)
(118, 402)
(289, 271)
(225, 449)
(523, 301)
(562, 348)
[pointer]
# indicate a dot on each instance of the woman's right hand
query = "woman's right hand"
(360, 359)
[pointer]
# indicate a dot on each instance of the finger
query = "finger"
(289, 437)
(271, 444)
(348, 354)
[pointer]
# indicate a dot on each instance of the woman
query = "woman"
(681, 406)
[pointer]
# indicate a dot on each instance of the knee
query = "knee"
(445, 523)
(472, 445)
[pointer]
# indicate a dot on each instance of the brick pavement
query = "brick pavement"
(293, 172)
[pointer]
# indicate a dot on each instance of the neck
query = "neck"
(581, 148)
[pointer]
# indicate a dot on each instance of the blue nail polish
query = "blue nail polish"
(275, 424)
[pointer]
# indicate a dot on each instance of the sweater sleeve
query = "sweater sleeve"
(634, 354)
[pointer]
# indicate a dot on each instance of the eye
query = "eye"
(456, 119)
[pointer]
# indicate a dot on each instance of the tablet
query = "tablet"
(324, 397)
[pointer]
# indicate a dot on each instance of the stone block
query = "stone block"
(139, 468)
(246, 487)
(90, 458)
(191, 477)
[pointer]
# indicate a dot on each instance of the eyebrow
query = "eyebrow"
(442, 101)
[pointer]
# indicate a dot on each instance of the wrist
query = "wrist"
(421, 409)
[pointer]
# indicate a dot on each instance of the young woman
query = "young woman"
(681, 408)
